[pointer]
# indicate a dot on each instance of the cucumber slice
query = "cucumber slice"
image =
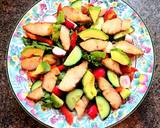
(123, 33)
(103, 107)
(113, 78)
(57, 102)
(36, 85)
(77, 5)
(73, 97)
(73, 57)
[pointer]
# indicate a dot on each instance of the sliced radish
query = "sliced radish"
(125, 81)
(70, 24)
(129, 38)
(103, 11)
(58, 51)
(109, 47)
(50, 19)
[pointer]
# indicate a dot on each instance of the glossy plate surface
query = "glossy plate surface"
(51, 117)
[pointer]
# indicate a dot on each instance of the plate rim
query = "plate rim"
(46, 125)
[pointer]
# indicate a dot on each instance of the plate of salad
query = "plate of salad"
(80, 63)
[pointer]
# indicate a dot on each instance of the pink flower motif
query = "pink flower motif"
(142, 88)
(143, 79)
(29, 102)
(43, 6)
(9, 58)
(53, 120)
(95, 126)
(34, 112)
(22, 72)
(150, 69)
(142, 24)
(20, 79)
(146, 49)
(21, 96)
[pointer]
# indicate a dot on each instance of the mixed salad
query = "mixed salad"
(80, 60)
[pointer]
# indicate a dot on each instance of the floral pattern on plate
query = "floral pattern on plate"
(51, 117)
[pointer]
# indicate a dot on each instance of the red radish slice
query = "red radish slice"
(58, 51)
(129, 38)
(125, 81)
(69, 24)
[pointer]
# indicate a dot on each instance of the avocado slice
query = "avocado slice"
(103, 107)
(60, 17)
(57, 102)
(72, 1)
(125, 93)
(36, 85)
(77, 4)
(113, 78)
(73, 97)
(88, 82)
(98, 24)
(42, 68)
(93, 33)
(123, 33)
(94, 12)
(73, 57)
(119, 56)
(28, 52)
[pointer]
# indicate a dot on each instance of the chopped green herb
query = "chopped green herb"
(61, 75)
(92, 59)
(98, 54)
(26, 41)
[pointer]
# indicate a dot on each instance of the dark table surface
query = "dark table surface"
(13, 116)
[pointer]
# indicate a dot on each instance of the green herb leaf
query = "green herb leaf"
(92, 59)
(26, 41)
(98, 54)
(61, 75)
